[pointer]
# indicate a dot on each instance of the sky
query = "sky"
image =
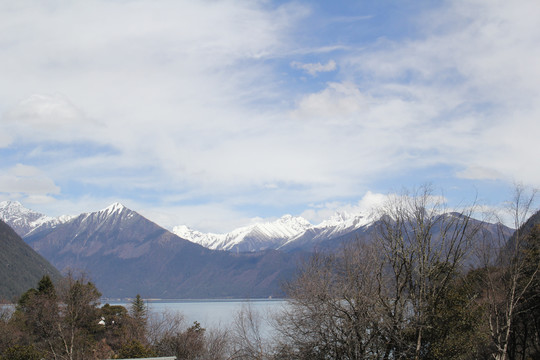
(216, 114)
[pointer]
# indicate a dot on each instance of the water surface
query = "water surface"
(212, 313)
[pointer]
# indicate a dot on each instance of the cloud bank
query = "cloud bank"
(192, 109)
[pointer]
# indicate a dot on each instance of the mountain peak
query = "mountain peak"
(10, 203)
(114, 208)
(13, 207)
(21, 219)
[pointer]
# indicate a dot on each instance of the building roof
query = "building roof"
(152, 358)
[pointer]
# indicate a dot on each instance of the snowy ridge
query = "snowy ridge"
(103, 219)
(112, 211)
(114, 208)
(261, 236)
(341, 223)
(24, 220)
(286, 232)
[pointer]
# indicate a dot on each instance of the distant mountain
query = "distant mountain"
(287, 234)
(24, 220)
(256, 237)
(125, 254)
(328, 235)
(20, 267)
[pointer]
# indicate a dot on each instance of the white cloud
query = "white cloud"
(336, 102)
(5, 140)
(470, 84)
(479, 172)
(22, 181)
(53, 112)
(315, 68)
(366, 206)
(190, 97)
(49, 118)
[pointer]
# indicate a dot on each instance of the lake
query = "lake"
(212, 313)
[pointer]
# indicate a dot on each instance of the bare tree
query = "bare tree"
(164, 325)
(169, 334)
(508, 274)
(332, 311)
(420, 241)
(378, 298)
(248, 340)
(217, 344)
(79, 299)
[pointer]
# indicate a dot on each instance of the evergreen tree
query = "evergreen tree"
(139, 310)
(46, 287)
(139, 313)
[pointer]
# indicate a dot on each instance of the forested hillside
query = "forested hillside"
(20, 266)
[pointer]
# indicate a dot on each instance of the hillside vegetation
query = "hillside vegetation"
(20, 266)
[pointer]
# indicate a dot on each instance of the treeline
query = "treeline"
(66, 322)
(427, 284)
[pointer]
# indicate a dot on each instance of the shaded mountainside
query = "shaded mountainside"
(524, 229)
(125, 254)
(20, 266)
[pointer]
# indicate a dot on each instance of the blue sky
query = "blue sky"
(215, 114)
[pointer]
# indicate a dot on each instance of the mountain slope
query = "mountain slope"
(20, 266)
(125, 254)
(523, 230)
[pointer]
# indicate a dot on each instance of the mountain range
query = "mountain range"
(125, 253)
(288, 233)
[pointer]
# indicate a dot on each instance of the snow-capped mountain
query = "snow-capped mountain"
(107, 217)
(256, 237)
(24, 220)
(90, 233)
(125, 254)
(340, 224)
(286, 233)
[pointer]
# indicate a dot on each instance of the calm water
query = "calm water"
(211, 313)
